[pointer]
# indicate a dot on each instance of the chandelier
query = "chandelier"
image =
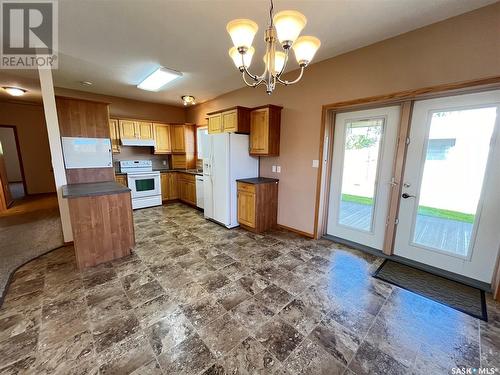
(284, 27)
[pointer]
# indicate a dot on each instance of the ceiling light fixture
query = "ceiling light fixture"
(14, 91)
(284, 27)
(159, 78)
(86, 83)
(188, 100)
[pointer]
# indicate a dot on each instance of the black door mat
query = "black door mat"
(464, 298)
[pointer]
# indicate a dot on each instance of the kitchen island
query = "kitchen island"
(101, 220)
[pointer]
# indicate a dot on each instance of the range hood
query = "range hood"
(138, 142)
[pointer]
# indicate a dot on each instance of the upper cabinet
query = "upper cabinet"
(265, 123)
(130, 129)
(114, 135)
(178, 133)
(163, 144)
(236, 120)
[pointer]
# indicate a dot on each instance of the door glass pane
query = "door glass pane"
(455, 161)
(359, 173)
(145, 184)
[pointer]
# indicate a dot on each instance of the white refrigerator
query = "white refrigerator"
(225, 159)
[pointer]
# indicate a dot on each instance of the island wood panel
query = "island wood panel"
(84, 118)
(103, 228)
(258, 206)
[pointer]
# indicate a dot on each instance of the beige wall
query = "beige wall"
(462, 48)
(8, 140)
(34, 144)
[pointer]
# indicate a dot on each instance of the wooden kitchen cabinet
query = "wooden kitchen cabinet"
(232, 120)
(265, 123)
(183, 161)
(114, 135)
(258, 203)
(130, 129)
(121, 179)
(187, 188)
(178, 135)
(163, 144)
(169, 186)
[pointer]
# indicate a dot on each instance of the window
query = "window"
(200, 133)
(437, 149)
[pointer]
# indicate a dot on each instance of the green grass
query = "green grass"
(422, 210)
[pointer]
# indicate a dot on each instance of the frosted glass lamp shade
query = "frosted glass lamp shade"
(279, 61)
(242, 32)
(236, 56)
(289, 24)
(305, 48)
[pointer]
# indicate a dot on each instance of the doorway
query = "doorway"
(448, 214)
(363, 153)
(13, 162)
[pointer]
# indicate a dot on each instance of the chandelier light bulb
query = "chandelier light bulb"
(305, 48)
(279, 61)
(289, 24)
(242, 32)
(236, 57)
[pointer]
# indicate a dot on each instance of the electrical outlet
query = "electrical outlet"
(315, 163)
(278, 168)
(164, 162)
(273, 168)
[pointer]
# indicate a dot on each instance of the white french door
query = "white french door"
(363, 154)
(450, 207)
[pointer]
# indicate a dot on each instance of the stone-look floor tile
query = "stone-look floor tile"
(220, 261)
(338, 341)
(66, 355)
(222, 335)
(136, 280)
(300, 316)
(26, 287)
(288, 262)
(189, 357)
(169, 332)
(231, 295)
(216, 369)
(252, 314)
(126, 268)
(270, 271)
(60, 289)
(292, 283)
(279, 338)
(249, 357)
(107, 302)
(126, 357)
(151, 368)
(23, 366)
(190, 292)
(234, 271)
(145, 293)
(18, 347)
(17, 323)
(312, 359)
(98, 278)
(274, 298)
(213, 281)
(24, 302)
(253, 283)
(114, 330)
(203, 311)
(370, 360)
(155, 309)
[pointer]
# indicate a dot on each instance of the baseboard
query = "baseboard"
(69, 243)
(305, 234)
(408, 262)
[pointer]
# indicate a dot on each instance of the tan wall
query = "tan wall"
(122, 107)
(458, 49)
(8, 140)
(34, 144)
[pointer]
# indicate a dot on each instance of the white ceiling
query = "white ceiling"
(116, 43)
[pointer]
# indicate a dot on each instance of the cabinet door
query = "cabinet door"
(259, 131)
(177, 136)
(246, 208)
(144, 130)
(164, 186)
(172, 186)
(230, 121)
(162, 138)
(127, 129)
(121, 179)
(114, 135)
(179, 162)
(215, 124)
(191, 192)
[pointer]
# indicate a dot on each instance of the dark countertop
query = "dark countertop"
(92, 189)
(258, 180)
(188, 171)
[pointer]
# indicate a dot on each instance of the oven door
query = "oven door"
(144, 184)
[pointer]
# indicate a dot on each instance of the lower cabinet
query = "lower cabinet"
(187, 188)
(258, 204)
(121, 179)
(169, 190)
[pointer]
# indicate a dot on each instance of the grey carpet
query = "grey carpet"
(450, 293)
(29, 229)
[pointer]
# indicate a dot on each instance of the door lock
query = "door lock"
(405, 196)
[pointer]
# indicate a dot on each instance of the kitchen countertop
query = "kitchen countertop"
(258, 180)
(92, 189)
(188, 171)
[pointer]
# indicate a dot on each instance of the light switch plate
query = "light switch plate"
(273, 168)
(278, 168)
(315, 163)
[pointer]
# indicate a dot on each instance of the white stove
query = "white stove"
(143, 182)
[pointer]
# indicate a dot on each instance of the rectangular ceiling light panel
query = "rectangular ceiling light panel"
(159, 78)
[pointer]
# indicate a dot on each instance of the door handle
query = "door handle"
(406, 196)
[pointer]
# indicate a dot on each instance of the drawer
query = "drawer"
(249, 188)
(186, 177)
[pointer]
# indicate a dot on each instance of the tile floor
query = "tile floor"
(195, 298)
